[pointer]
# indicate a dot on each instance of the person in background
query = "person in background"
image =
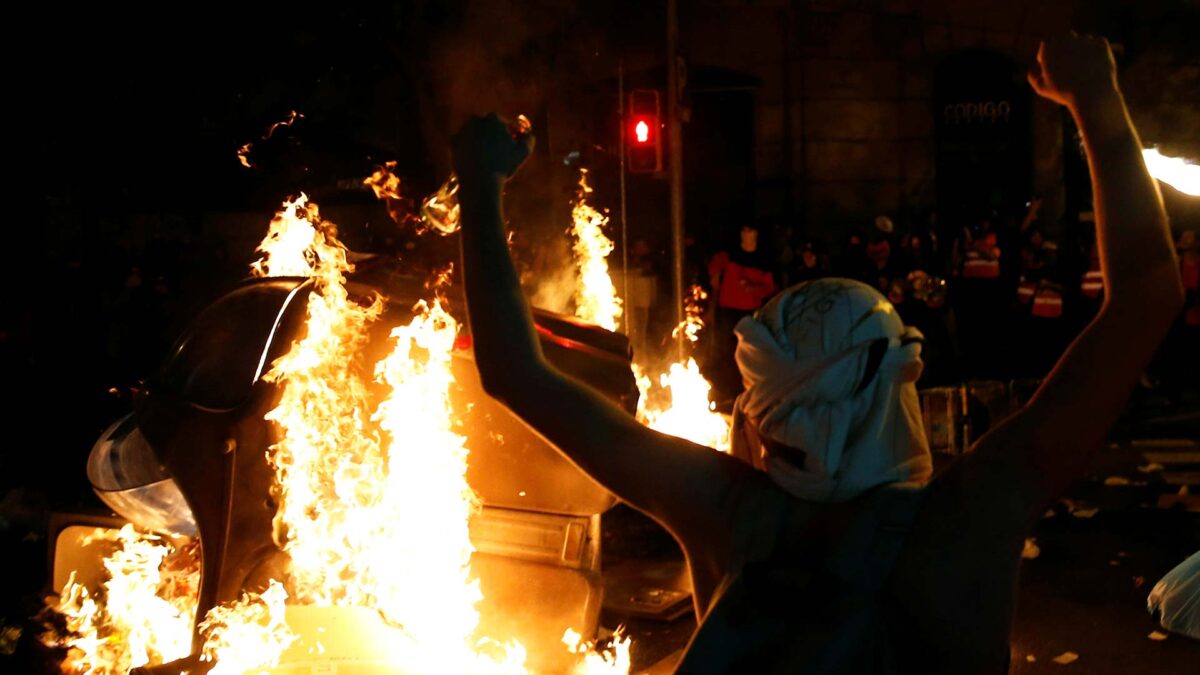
(851, 260)
(980, 302)
(881, 268)
(1188, 248)
(741, 279)
(809, 264)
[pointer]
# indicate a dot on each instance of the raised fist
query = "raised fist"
(1072, 68)
(489, 148)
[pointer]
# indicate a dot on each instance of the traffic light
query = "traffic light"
(644, 128)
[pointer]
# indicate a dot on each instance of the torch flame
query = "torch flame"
(1179, 173)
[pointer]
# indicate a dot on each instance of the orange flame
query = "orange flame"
(596, 298)
(243, 153)
(373, 503)
(679, 405)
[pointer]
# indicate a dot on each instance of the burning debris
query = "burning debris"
(143, 614)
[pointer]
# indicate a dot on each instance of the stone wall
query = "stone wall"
(844, 115)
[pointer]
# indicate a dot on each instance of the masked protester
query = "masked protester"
(839, 554)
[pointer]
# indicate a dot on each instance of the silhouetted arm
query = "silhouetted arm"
(1085, 393)
(682, 485)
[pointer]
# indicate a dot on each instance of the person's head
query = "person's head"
(830, 408)
(749, 237)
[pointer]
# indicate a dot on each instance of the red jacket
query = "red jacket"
(739, 287)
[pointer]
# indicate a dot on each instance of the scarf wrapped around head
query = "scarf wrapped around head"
(814, 385)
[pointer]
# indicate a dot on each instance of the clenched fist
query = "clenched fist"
(1074, 68)
(488, 148)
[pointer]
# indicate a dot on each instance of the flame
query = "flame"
(300, 244)
(384, 182)
(693, 307)
(374, 506)
(680, 405)
(596, 298)
(1179, 173)
(243, 153)
(440, 210)
(286, 122)
(142, 615)
(615, 659)
(249, 634)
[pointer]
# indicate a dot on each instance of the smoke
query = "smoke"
(485, 56)
(553, 277)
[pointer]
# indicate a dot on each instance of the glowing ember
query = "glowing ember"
(596, 298)
(144, 613)
(680, 406)
(1179, 173)
(243, 153)
(693, 308)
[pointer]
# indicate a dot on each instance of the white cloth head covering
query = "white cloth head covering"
(803, 358)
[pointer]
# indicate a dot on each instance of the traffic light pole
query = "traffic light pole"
(675, 169)
(624, 221)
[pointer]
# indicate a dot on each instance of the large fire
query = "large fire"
(373, 510)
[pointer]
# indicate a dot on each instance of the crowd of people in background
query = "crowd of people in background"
(996, 298)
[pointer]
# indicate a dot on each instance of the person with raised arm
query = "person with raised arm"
(827, 548)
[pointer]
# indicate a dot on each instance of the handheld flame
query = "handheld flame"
(1179, 173)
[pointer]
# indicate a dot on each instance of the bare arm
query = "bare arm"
(680, 484)
(1086, 392)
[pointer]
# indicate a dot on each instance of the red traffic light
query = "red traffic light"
(644, 124)
(641, 132)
